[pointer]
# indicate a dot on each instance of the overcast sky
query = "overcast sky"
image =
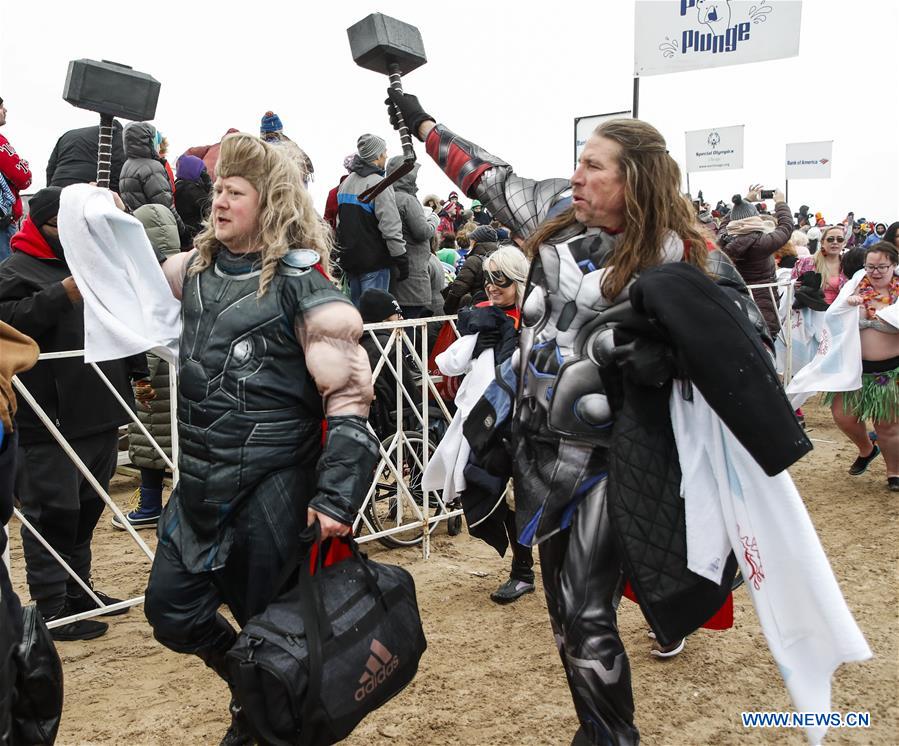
(510, 76)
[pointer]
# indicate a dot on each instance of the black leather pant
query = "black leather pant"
(582, 580)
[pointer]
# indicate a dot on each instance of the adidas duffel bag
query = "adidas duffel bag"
(325, 653)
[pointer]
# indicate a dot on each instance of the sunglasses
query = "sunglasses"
(498, 279)
(835, 239)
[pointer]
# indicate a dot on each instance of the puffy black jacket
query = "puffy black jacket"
(33, 300)
(144, 180)
(74, 158)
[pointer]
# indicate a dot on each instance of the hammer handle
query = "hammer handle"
(393, 72)
(104, 151)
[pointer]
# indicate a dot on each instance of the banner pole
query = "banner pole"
(688, 186)
(787, 191)
(636, 106)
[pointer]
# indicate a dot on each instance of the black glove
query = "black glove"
(409, 107)
(401, 263)
(646, 362)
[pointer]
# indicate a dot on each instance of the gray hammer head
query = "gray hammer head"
(378, 41)
(111, 88)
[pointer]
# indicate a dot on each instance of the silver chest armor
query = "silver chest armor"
(567, 338)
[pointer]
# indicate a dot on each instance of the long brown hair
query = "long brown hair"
(287, 219)
(654, 206)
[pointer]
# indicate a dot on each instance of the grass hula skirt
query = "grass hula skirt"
(877, 399)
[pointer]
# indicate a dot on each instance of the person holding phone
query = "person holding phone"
(742, 235)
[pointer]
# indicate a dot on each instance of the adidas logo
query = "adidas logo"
(380, 664)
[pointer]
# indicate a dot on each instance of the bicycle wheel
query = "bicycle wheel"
(391, 507)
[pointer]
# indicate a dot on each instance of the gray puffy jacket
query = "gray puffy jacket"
(159, 223)
(418, 229)
(144, 180)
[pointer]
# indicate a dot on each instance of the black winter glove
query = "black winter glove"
(646, 362)
(408, 106)
(401, 263)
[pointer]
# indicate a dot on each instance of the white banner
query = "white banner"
(809, 160)
(584, 126)
(716, 149)
(675, 35)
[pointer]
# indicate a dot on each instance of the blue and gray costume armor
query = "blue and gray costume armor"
(563, 420)
(251, 457)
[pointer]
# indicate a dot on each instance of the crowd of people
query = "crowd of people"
(577, 303)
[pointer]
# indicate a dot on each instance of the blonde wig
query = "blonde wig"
(286, 218)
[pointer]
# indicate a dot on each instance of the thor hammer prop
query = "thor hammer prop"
(386, 45)
(112, 90)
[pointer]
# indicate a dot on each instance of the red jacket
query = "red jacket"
(16, 172)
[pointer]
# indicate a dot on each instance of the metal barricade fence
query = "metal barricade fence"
(395, 489)
(396, 510)
(786, 326)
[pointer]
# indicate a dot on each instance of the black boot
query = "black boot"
(238, 733)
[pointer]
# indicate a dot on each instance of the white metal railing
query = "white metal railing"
(786, 327)
(412, 514)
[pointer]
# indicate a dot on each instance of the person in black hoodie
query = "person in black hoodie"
(193, 195)
(39, 297)
(74, 157)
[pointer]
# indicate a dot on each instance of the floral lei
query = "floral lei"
(870, 295)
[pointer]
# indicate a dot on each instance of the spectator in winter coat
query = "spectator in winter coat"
(330, 215)
(74, 157)
(480, 214)
(369, 234)
(17, 175)
(144, 180)
(454, 210)
(39, 297)
(419, 226)
(162, 150)
(470, 279)
(272, 131)
(159, 224)
(376, 306)
(750, 244)
(877, 234)
(437, 274)
(193, 195)
(209, 153)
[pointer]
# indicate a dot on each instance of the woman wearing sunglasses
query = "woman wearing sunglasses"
(878, 398)
(827, 262)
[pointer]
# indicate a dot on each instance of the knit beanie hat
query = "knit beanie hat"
(369, 147)
(483, 234)
(376, 305)
(742, 209)
(271, 122)
(44, 205)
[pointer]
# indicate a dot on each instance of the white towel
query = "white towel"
(446, 467)
(837, 364)
(128, 304)
(802, 613)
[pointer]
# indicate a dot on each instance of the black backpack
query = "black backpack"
(337, 645)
